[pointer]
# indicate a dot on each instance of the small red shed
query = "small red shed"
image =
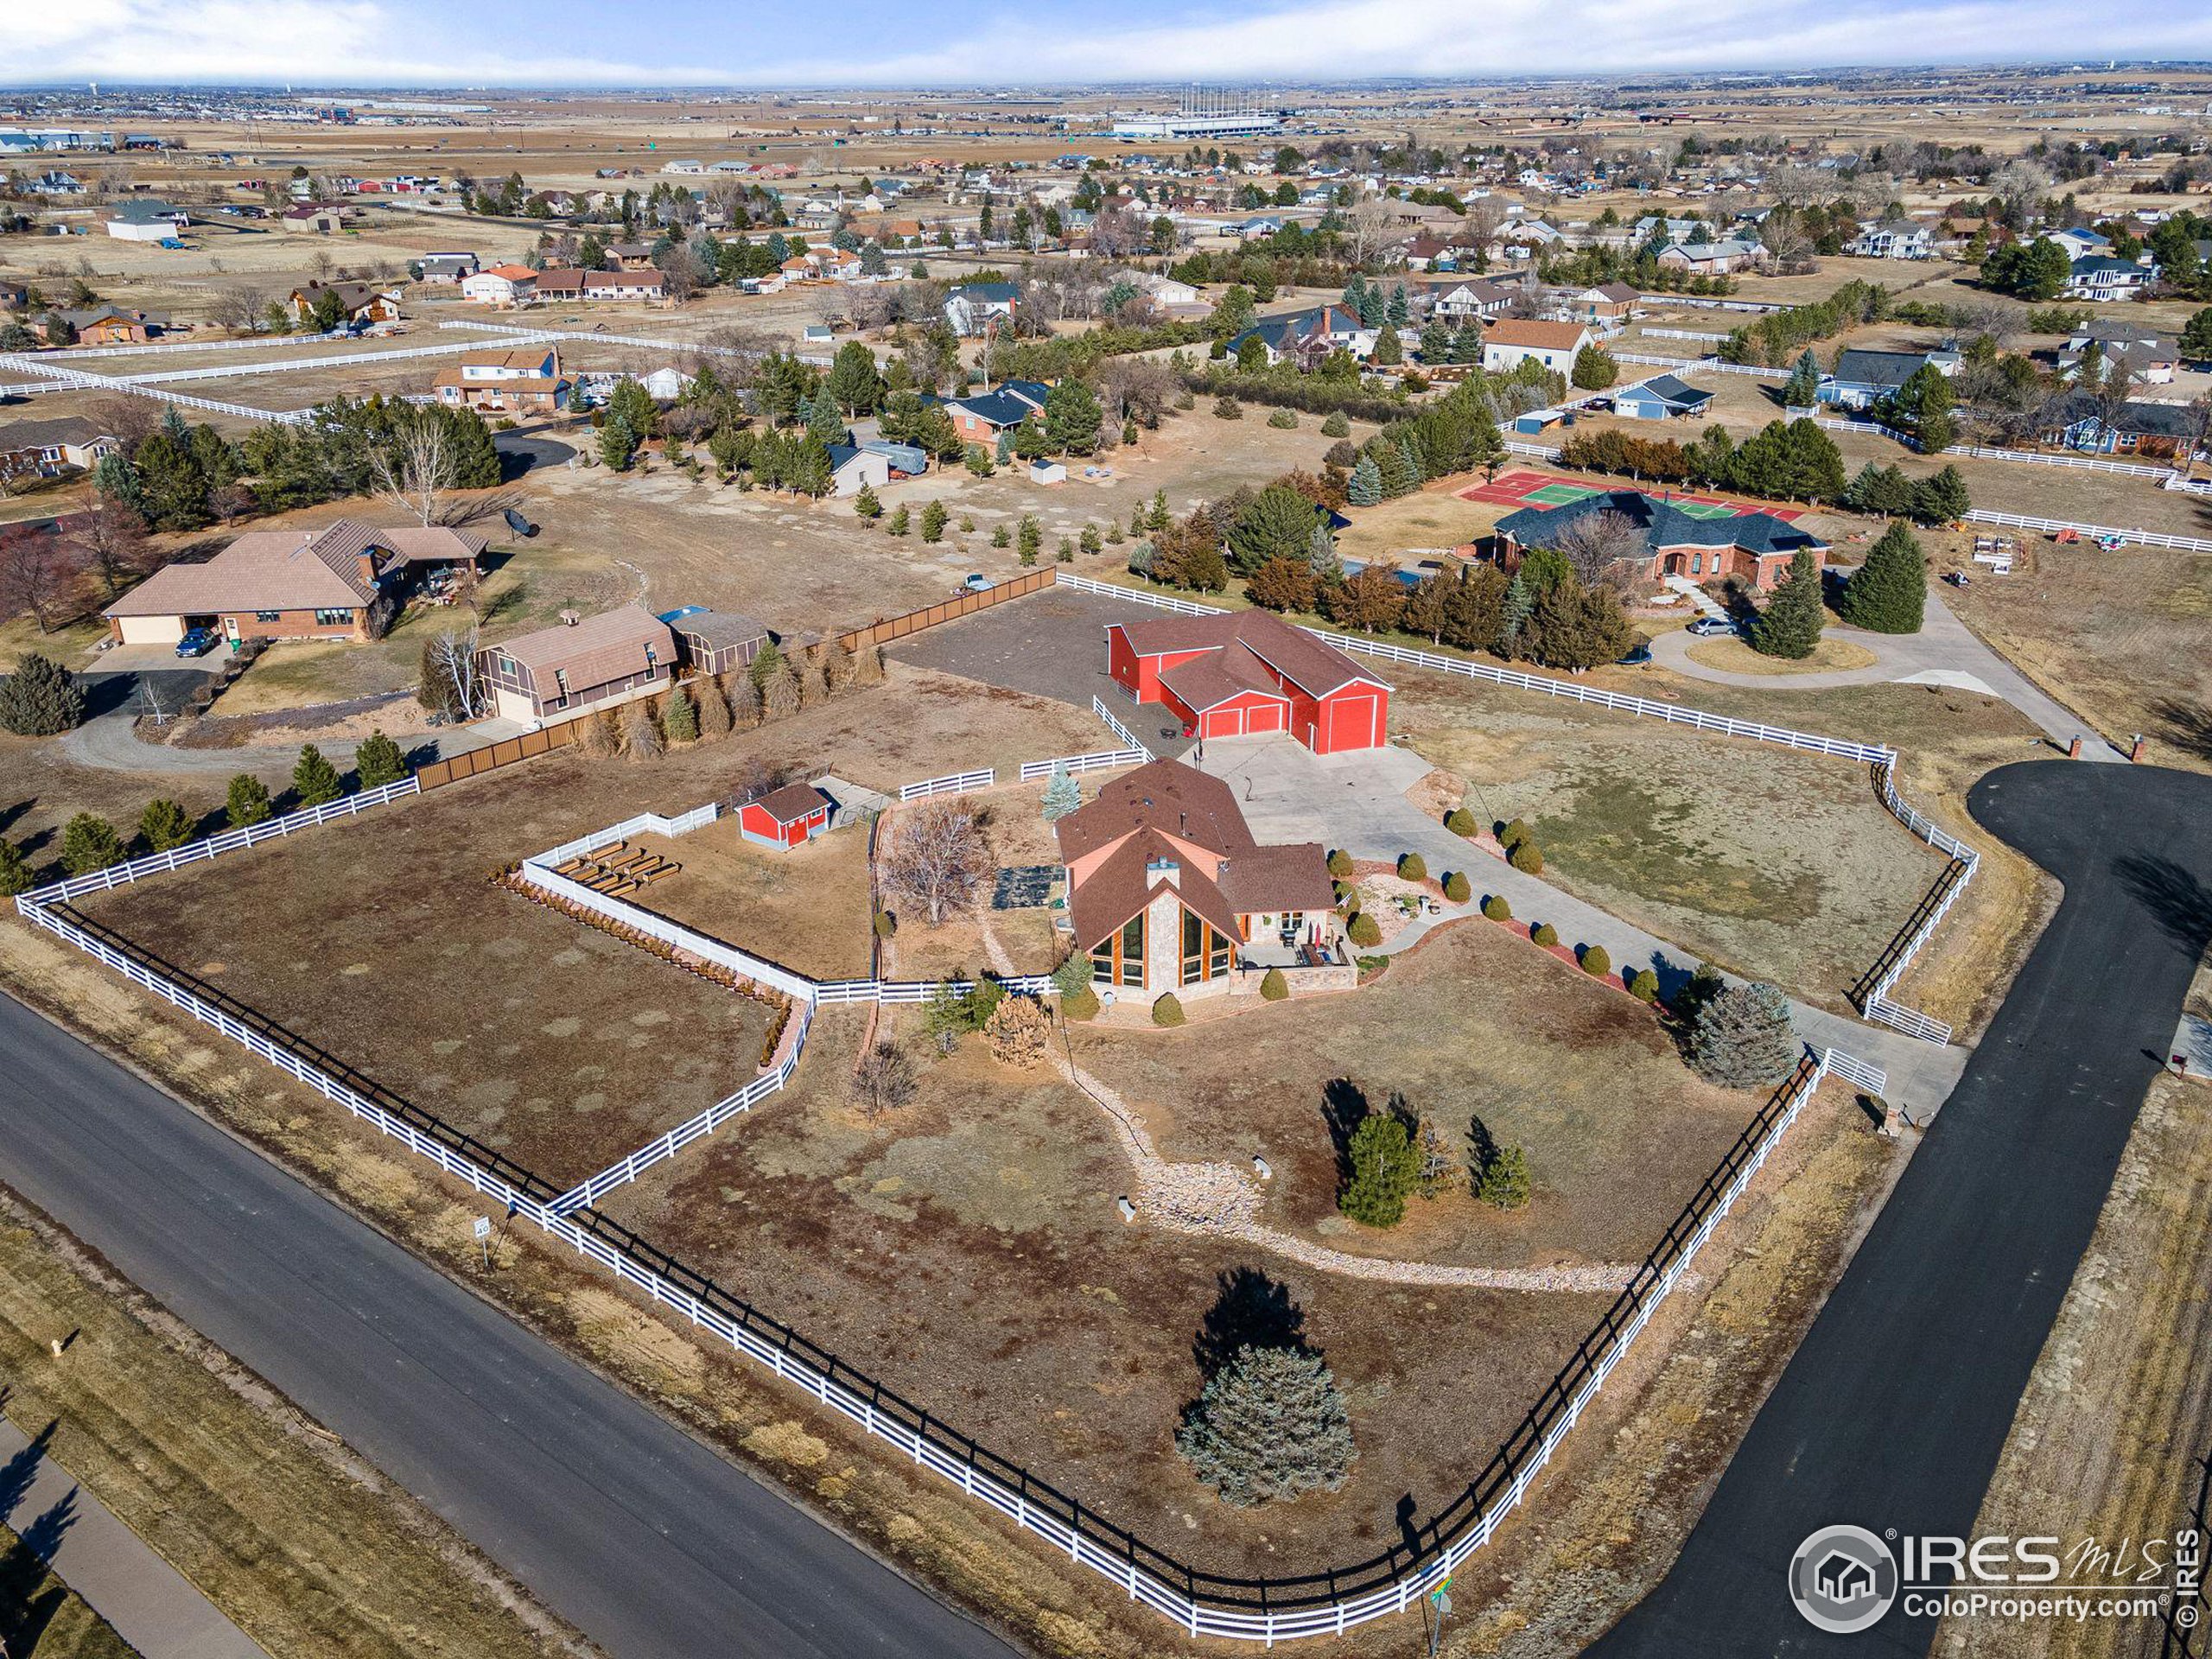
(784, 817)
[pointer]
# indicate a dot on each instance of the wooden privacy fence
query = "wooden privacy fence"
(950, 610)
(504, 752)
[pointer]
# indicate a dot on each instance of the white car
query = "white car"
(1708, 627)
(978, 584)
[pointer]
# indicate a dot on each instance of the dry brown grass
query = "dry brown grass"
(1830, 656)
(307, 1550)
(805, 908)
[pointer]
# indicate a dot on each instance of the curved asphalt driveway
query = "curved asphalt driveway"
(1892, 1413)
(634, 1532)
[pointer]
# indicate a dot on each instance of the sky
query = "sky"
(363, 43)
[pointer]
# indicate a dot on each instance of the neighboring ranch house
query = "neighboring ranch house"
(1458, 303)
(785, 818)
(105, 325)
(2150, 358)
(715, 642)
(597, 661)
(1510, 342)
(146, 220)
(1862, 379)
(2153, 431)
(1607, 306)
(2101, 276)
(1709, 258)
(970, 309)
(526, 380)
(1754, 548)
(853, 467)
(315, 218)
(647, 284)
(1168, 891)
(1306, 337)
(1897, 239)
(1662, 397)
(501, 285)
(358, 302)
(981, 417)
(448, 270)
(46, 449)
(629, 256)
(345, 582)
(1246, 673)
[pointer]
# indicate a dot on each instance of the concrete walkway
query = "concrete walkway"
(1358, 802)
(151, 1604)
(1944, 652)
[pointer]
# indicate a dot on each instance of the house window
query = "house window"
(1205, 952)
(1132, 943)
(333, 619)
(269, 616)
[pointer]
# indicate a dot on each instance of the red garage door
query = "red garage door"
(1223, 722)
(1268, 717)
(1349, 724)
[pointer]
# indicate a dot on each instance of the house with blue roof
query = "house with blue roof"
(1862, 379)
(981, 417)
(1308, 336)
(1694, 540)
(1662, 397)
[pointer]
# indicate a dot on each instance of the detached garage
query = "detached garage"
(1248, 673)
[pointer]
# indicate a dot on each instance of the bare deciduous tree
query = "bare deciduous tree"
(884, 1080)
(452, 683)
(1599, 548)
(1371, 226)
(36, 573)
(936, 858)
(238, 308)
(416, 469)
(115, 538)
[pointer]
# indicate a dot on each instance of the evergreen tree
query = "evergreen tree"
(14, 872)
(1071, 418)
(172, 489)
(679, 716)
(1278, 525)
(1028, 538)
(1594, 368)
(248, 801)
(1504, 1182)
(1062, 794)
(1435, 342)
(1519, 604)
(811, 471)
(314, 780)
(867, 504)
(379, 762)
(617, 443)
(1390, 350)
(40, 698)
(1803, 386)
(1366, 486)
(1940, 498)
(1400, 311)
(1385, 1166)
(900, 521)
(89, 842)
(1789, 627)
(854, 384)
(825, 420)
(1740, 1037)
(1270, 1424)
(933, 521)
(1888, 593)
(165, 825)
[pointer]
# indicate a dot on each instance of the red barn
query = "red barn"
(1244, 673)
(784, 817)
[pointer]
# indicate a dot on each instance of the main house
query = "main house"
(1307, 337)
(981, 416)
(1510, 342)
(1862, 379)
(576, 666)
(1245, 673)
(1754, 548)
(342, 582)
(1169, 891)
(525, 380)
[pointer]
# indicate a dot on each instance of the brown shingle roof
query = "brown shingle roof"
(611, 646)
(1165, 795)
(1543, 336)
(721, 629)
(1316, 669)
(792, 802)
(1126, 881)
(274, 570)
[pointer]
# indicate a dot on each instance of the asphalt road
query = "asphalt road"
(634, 1532)
(1893, 1411)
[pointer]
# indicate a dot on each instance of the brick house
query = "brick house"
(784, 817)
(1246, 673)
(1168, 891)
(597, 661)
(526, 380)
(1754, 548)
(342, 582)
(981, 417)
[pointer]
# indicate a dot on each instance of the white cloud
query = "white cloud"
(356, 42)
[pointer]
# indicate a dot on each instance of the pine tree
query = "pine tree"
(89, 842)
(1366, 486)
(745, 703)
(1504, 1182)
(1270, 1424)
(1888, 593)
(1789, 627)
(900, 521)
(1803, 386)
(780, 694)
(713, 708)
(679, 716)
(1028, 538)
(933, 518)
(1384, 1167)
(1741, 1038)
(867, 504)
(1940, 498)
(1594, 368)
(379, 762)
(314, 780)
(40, 698)
(617, 443)
(14, 872)
(1514, 613)
(165, 825)
(1062, 795)
(247, 802)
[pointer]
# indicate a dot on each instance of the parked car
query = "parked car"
(1709, 627)
(197, 642)
(978, 583)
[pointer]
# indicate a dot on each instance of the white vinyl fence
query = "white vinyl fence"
(2079, 463)
(1533, 451)
(154, 348)
(2096, 532)
(1113, 724)
(1099, 760)
(1681, 333)
(79, 380)
(957, 783)
(525, 335)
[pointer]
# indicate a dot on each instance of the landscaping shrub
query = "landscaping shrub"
(14, 873)
(1595, 962)
(165, 824)
(714, 719)
(1283, 420)
(88, 843)
(1364, 930)
(1340, 865)
(1545, 934)
(640, 737)
(248, 801)
(1512, 833)
(1461, 822)
(1496, 909)
(1503, 1183)
(1527, 858)
(1270, 1424)
(886, 924)
(1226, 408)
(1741, 1038)
(378, 762)
(598, 738)
(1455, 888)
(1017, 1031)
(1273, 986)
(1167, 1011)
(1336, 426)
(1412, 866)
(314, 780)
(1079, 1004)
(1439, 1170)
(40, 698)
(1385, 1168)
(1643, 985)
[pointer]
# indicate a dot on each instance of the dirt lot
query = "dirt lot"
(385, 941)
(805, 909)
(1473, 1024)
(2112, 1431)
(1017, 837)
(1782, 865)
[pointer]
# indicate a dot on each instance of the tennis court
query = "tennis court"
(1522, 487)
